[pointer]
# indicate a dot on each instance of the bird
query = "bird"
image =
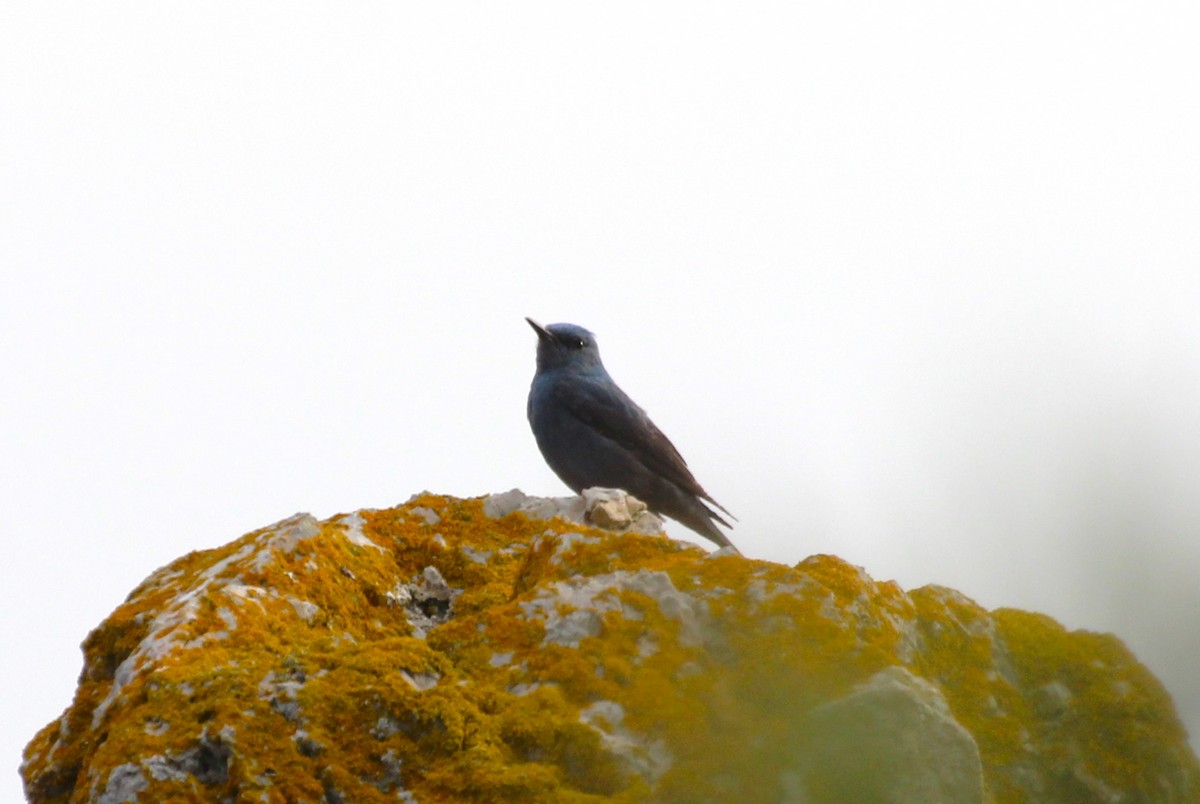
(592, 434)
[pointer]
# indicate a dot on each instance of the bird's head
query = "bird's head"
(565, 346)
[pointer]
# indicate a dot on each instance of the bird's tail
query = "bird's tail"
(703, 520)
(723, 511)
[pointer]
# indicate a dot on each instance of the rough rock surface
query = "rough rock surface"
(476, 650)
(894, 720)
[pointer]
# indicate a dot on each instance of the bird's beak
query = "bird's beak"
(542, 333)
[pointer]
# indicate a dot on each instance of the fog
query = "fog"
(915, 287)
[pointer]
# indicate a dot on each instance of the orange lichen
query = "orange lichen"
(573, 665)
(1117, 720)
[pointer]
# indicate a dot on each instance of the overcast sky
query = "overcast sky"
(917, 286)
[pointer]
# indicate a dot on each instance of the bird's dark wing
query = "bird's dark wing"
(610, 412)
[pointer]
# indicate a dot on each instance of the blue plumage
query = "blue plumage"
(592, 434)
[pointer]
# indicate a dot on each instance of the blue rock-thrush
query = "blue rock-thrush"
(592, 434)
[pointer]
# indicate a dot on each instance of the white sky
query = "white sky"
(915, 286)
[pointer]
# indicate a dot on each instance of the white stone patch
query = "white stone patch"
(419, 681)
(572, 628)
(304, 609)
(430, 516)
(501, 659)
(647, 646)
(568, 540)
(570, 509)
(680, 607)
(587, 599)
(563, 542)
(607, 508)
(727, 550)
(614, 509)
(427, 600)
(475, 555)
(523, 689)
(504, 503)
(354, 530)
(241, 593)
(203, 639)
(620, 509)
(163, 769)
(228, 617)
(284, 536)
(124, 784)
(650, 759)
(241, 554)
(399, 595)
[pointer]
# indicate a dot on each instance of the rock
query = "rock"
(892, 740)
(611, 509)
(504, 649)
(426, 599)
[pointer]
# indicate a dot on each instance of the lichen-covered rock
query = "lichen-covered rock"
(476, 650)
(856, 746)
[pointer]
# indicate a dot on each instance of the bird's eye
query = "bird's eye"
(578, 343)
